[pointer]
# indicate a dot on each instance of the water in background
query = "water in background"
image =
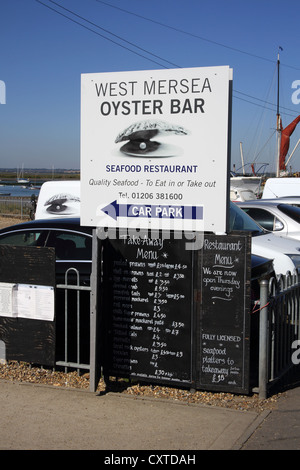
(18, 190)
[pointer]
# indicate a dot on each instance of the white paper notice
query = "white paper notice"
(7, 299)
(35, 302)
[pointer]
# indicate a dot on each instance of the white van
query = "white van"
(58, 199)
(279, 187)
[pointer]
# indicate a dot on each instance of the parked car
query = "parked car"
(276, 217)
(292, 200)
(72, 243)
(285, 252)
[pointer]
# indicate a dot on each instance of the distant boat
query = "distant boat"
(253, 183)
(20, 177)
(247, 180)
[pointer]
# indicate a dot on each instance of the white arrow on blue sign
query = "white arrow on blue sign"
(116, 210)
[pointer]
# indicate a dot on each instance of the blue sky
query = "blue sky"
(43, 55)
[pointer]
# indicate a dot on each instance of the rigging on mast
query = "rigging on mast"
(283, 135)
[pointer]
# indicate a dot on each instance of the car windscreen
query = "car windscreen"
(292, 211)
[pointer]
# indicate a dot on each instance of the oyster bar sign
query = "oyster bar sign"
(155, 148)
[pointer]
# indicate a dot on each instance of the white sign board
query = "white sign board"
(154, 149)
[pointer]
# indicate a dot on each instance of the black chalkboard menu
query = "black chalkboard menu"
(177, 316)
(148, 309)
(224, 279)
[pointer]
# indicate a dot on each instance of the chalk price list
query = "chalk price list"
(151, 326)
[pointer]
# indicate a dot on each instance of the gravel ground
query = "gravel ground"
(23, 372)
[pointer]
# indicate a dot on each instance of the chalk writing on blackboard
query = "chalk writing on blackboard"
(221, 268)
(224, 332)
(151, 317)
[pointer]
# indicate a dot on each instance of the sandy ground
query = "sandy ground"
(7, 221)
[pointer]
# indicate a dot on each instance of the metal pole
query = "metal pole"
(263, 340)
(278, 120)
(94, 317)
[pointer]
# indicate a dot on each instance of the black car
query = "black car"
(73, 247)
(72, 243)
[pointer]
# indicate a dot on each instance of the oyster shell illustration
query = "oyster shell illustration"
(56, 203)
(139, 136)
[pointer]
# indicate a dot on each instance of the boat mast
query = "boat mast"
(278, 116)
(242, 158)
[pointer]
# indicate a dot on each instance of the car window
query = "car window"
(292, 211)
(70, 245)
(264, 218)
(24, 238)
(241, 221)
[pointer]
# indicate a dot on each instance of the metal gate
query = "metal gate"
(279, 329)
(67, 287)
